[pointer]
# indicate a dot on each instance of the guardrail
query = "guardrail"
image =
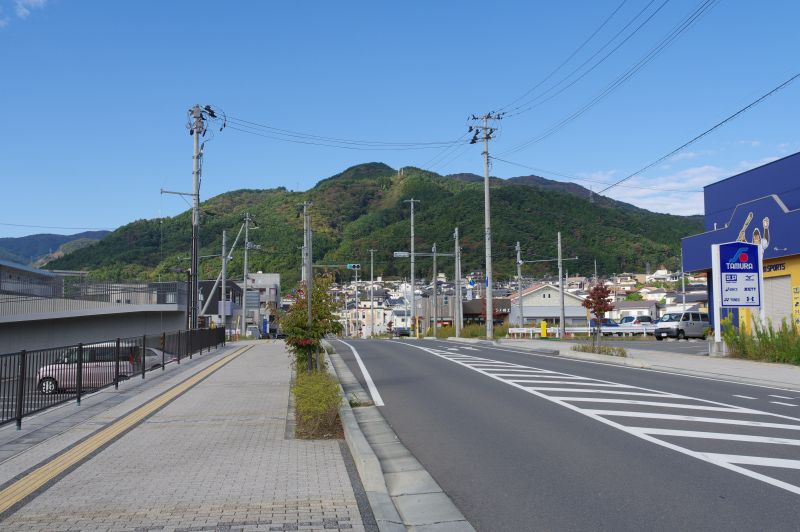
(32, 381)
(622, 330)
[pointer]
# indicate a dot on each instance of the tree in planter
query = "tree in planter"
(598, 304)
(302, 340)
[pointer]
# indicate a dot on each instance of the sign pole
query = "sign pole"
(717, 287)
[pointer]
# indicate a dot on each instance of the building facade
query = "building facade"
(760, 206)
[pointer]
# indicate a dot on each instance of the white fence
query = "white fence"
(622, 330)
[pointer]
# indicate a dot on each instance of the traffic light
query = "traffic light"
(353, 266)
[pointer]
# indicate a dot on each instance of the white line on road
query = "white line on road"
(715, 436)
(658, 403)
(373, 391)
(744, 396)
(781, 397)
(754, 460)
(780, 403)
(724, 461)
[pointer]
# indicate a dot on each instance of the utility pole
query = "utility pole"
(413, 296)
(683, 283)
(595, 271)
(562, 320)
(519, 284)
(457, 313)
(246, 272)
(371, 292)
(486, 132)
(435, 298)
(309, 274)
(223, 310)
(198, 128)
(358, 312)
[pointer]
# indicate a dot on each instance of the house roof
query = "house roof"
(538, 287)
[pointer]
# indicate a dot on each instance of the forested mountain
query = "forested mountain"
(363, 208)
(33, 248)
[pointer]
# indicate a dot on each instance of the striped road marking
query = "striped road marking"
(619, 415)
(42, 475)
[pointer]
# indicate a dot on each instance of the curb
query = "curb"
(367, 464)
(403, 495)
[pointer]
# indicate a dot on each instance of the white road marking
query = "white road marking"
(657, 403)
(588, 390)
(725, 461)
(755, 460)
(373, 391)
(633, 368)
(744, 396)
(781, 397)
(780, 403)
(715, 436)
(719, 420)
(572, 383)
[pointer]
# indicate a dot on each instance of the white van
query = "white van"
(682, 325)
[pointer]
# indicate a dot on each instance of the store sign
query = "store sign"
(739, 275)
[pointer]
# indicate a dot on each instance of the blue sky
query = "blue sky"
(95, 95)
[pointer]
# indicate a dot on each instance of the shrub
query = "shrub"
(765, 344)
(316, 402)
(601, 350)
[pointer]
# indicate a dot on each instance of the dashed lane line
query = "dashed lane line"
(29, 484)
(745, 397)
(781, 403)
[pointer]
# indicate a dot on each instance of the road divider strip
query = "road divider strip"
(41, 476)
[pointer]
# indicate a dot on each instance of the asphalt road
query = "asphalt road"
(527, 442)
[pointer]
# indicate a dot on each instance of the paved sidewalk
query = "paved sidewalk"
(746, 371)
(216, 458)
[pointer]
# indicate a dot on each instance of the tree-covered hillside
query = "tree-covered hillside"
(363, 208)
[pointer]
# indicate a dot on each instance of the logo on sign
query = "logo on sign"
(730, 277)
(740, 260)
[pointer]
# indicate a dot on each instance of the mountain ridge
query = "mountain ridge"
(363, 208)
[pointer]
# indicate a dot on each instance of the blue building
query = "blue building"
(760, 206)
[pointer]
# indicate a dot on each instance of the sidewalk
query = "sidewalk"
(217, 457)
(733, 369)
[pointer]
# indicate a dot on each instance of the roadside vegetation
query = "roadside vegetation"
(765, 343)
(316, 391)
(472, 330)
(601, 350)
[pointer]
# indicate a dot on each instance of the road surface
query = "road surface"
(532, 442)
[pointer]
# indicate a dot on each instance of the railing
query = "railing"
(621, 330)
(71, 294)
(32, 381)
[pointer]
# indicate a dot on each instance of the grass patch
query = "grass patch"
(601, 350)
(316, 403)
(472, 330)
(765, 344)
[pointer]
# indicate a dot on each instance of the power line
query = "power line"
(654, 52)
(706, 132)
(333, 140)
(57, 227)
(334, 145)
(594, 180)
(607, 43)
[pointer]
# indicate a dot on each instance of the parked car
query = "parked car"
(98, 367)
(682, 325)
(605, 323)
(636, 320)
(401, 331)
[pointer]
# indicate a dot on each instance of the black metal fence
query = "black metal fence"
(31, 381)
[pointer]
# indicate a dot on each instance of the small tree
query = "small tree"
(302, 340)
(598, 304)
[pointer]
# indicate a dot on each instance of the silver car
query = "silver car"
(682, 325)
